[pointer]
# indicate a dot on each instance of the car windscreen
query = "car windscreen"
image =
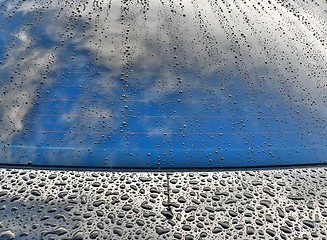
(163, 84)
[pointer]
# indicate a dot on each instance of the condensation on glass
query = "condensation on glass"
(163, 84)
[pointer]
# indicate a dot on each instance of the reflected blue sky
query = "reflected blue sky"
(175, 87)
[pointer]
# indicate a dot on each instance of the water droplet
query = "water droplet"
(78, 236)
(160, 230)
(7, 235)
(217, 230)
(118, 231)
(250, 230)
(94, 234)
(271, 232)
(186, 227)
(224, 224)
(308, 223)
(285, 229)
(190, 209)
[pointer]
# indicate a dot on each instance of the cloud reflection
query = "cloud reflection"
(195, 84)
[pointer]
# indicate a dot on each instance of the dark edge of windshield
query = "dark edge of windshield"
(185, 169)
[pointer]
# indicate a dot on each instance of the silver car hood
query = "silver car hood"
(254, 204)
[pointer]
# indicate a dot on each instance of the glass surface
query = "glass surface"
(163, 84)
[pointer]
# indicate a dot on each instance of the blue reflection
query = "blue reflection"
(64, 105)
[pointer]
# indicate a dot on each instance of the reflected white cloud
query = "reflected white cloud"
(26, 68)
(269, 45)
(189, 52)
